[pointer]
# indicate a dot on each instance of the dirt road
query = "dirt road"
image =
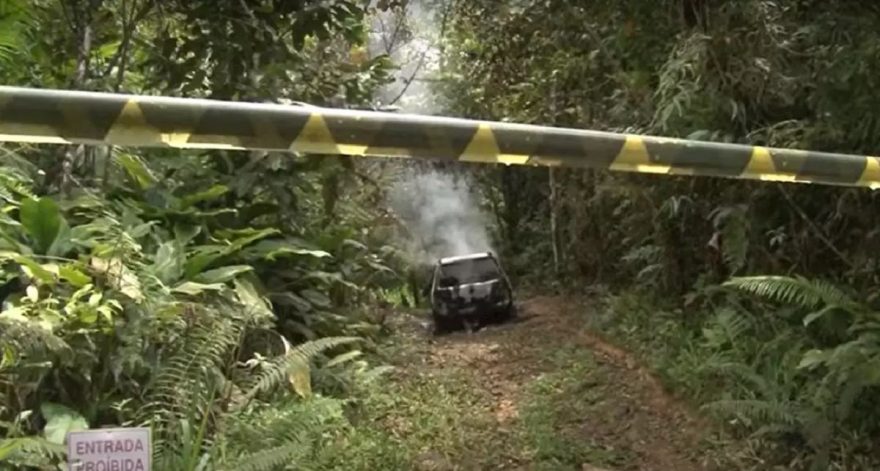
(628, 410)
(542, 393)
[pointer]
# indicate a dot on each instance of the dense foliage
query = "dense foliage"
(788, 73)
(200, 294)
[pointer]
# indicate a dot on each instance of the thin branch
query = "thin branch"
(128, 25)
(819, 232)
(422, 58)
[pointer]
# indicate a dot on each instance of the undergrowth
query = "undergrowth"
(787, 364)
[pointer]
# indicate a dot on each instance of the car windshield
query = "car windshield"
(468, 271)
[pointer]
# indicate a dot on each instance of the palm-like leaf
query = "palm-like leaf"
(797, 291)
(14, 16)
(277, 371)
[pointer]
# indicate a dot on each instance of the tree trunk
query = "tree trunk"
(82, 17)
(554, 237)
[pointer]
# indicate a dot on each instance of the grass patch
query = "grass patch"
(557, 405)
(419, 421)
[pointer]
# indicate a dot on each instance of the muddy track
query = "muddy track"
(630, 412)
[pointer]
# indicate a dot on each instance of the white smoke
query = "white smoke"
(440, 215)
(439, 210)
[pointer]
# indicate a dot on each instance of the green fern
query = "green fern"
(187, 383)
(286, 430)
(15, 17)
(744, 375)
(30, 451)
(755, 411)
(277, 370)
(797, 291)
(15, 184)
(266, 459)
(733, 224)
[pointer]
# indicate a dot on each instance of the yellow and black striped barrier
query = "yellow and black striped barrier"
(70, 117)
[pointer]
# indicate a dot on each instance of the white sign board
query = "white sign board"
(110, 449)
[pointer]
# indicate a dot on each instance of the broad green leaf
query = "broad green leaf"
(87, 315)
(343, 358)
(61, 420)
(355, 244)
(34, 270)
(8, 358)
(136, 169)
(168, 262)
(248, 295)
(106, 51)
(271, 249)
(301, 329)
(63, 242)
(185, 233)
(813, 358)
(246, 235)
(222, 274)
(195, 213)
(193, 289)
(41, 220)
(316, 298)
(141, 229)
(290, 299)
(211, 193)
(301, 379)
(380, 267)
(202, 257)
(74, 276)
(814, 316)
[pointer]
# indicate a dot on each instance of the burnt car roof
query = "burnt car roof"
(460, 258)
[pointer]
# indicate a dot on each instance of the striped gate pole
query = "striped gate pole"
(74, 117)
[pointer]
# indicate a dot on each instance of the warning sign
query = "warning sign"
(116, 449)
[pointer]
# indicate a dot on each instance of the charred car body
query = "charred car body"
(469, 290)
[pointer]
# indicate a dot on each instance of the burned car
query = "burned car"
(470, 290)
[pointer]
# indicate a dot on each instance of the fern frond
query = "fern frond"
(757, 411)
(279, 433)
(276, 371)
(268, 459)
(15, 184)
(742, 372)
(734, 324)
(276, 423)
(30, 451)
(187, 383)
(798, 291)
